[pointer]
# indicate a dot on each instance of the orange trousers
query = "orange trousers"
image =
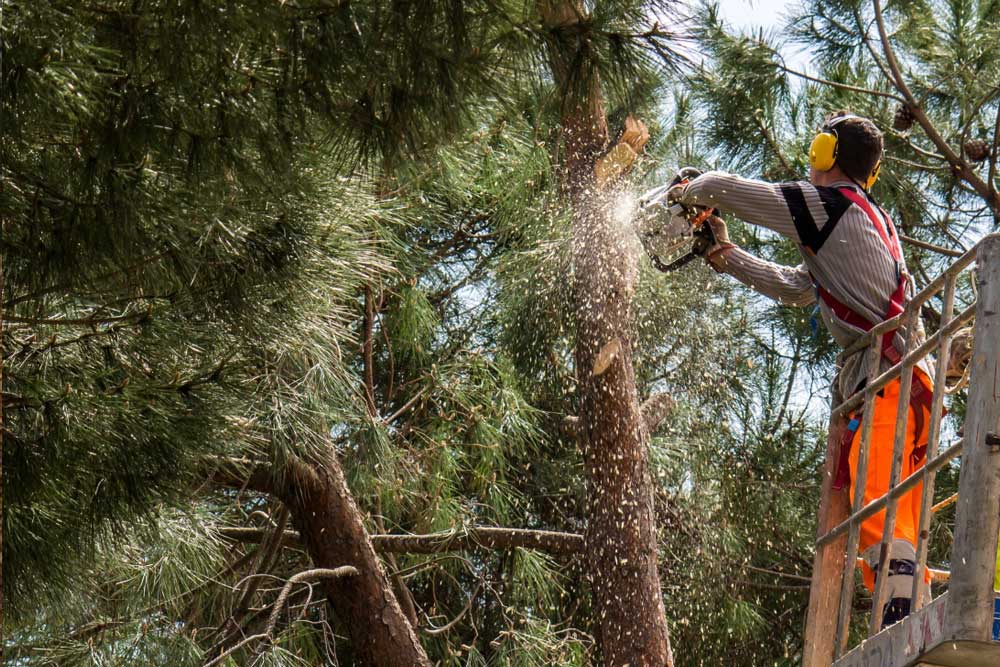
(879, 469)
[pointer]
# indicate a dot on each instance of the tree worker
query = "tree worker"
(854, 266)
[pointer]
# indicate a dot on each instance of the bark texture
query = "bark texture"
(620, 539)
(331, 528)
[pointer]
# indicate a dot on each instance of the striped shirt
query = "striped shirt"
(841, 250)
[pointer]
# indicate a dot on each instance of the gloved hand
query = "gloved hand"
(715, 255)
(721, 231)
(676, 193)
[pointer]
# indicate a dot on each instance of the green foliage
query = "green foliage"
(199, 201)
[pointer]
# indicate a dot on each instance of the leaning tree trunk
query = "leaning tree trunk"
(332, 530)
(621, 545)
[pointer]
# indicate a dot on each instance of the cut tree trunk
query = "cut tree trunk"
(331, 528)
(620, 540)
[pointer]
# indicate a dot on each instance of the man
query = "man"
(853, 265)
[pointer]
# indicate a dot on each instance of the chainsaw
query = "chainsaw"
(672, 233)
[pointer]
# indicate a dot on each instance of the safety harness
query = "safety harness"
(920, 393)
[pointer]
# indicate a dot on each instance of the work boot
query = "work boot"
(900, 585)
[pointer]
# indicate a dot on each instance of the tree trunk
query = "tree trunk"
(620, 539)
(1, 450)
(332, 530)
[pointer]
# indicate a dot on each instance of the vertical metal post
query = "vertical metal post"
(874, 359)
(828, 563)
(898, 447)
(977, 519)
(933, 440)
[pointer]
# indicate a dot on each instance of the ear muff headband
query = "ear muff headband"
(823, 149)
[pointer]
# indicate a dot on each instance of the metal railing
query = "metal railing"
(936, 459)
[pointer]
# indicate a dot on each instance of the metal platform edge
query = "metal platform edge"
(919, 639)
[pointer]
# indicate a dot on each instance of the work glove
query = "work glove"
(715, 255)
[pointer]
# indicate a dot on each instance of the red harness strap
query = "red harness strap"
(896, 300)
(920, 394)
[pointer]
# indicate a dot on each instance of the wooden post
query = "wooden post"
(977, 519)
(828, 563)
(933, 440)
(860, 479)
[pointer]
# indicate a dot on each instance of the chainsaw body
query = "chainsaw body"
(673, 234)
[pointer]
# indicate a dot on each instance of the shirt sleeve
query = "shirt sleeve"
(789, 285)
(800, 211)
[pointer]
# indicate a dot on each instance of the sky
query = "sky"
(754, 13)
(751, 15)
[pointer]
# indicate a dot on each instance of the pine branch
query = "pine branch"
(959, 164)
(135, 318)
(481, 537)
(835, 84)
(772, 143)
(317, 573)
(366, 348)
(241, 474)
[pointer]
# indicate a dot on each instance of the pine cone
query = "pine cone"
(903, 120)
(977, 150)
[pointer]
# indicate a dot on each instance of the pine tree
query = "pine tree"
(296, 287)
(184, 274)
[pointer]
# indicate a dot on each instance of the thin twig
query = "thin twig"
(835, 84)
(450, 624)
(406, 406)
(773, 143)
(930, 246)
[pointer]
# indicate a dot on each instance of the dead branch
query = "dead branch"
(317, 573)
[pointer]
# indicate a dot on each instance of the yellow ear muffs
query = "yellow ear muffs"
(823, 151)
(874, 177)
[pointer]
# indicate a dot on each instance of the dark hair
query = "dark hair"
(859, 145)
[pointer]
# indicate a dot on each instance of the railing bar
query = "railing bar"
(933, 439)
(860, 477)
(918, 300)
(951, 327)
(892, 507)
(873, 507)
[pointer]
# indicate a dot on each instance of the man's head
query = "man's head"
(855, 145)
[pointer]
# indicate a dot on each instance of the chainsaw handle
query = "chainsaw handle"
(704, 237)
